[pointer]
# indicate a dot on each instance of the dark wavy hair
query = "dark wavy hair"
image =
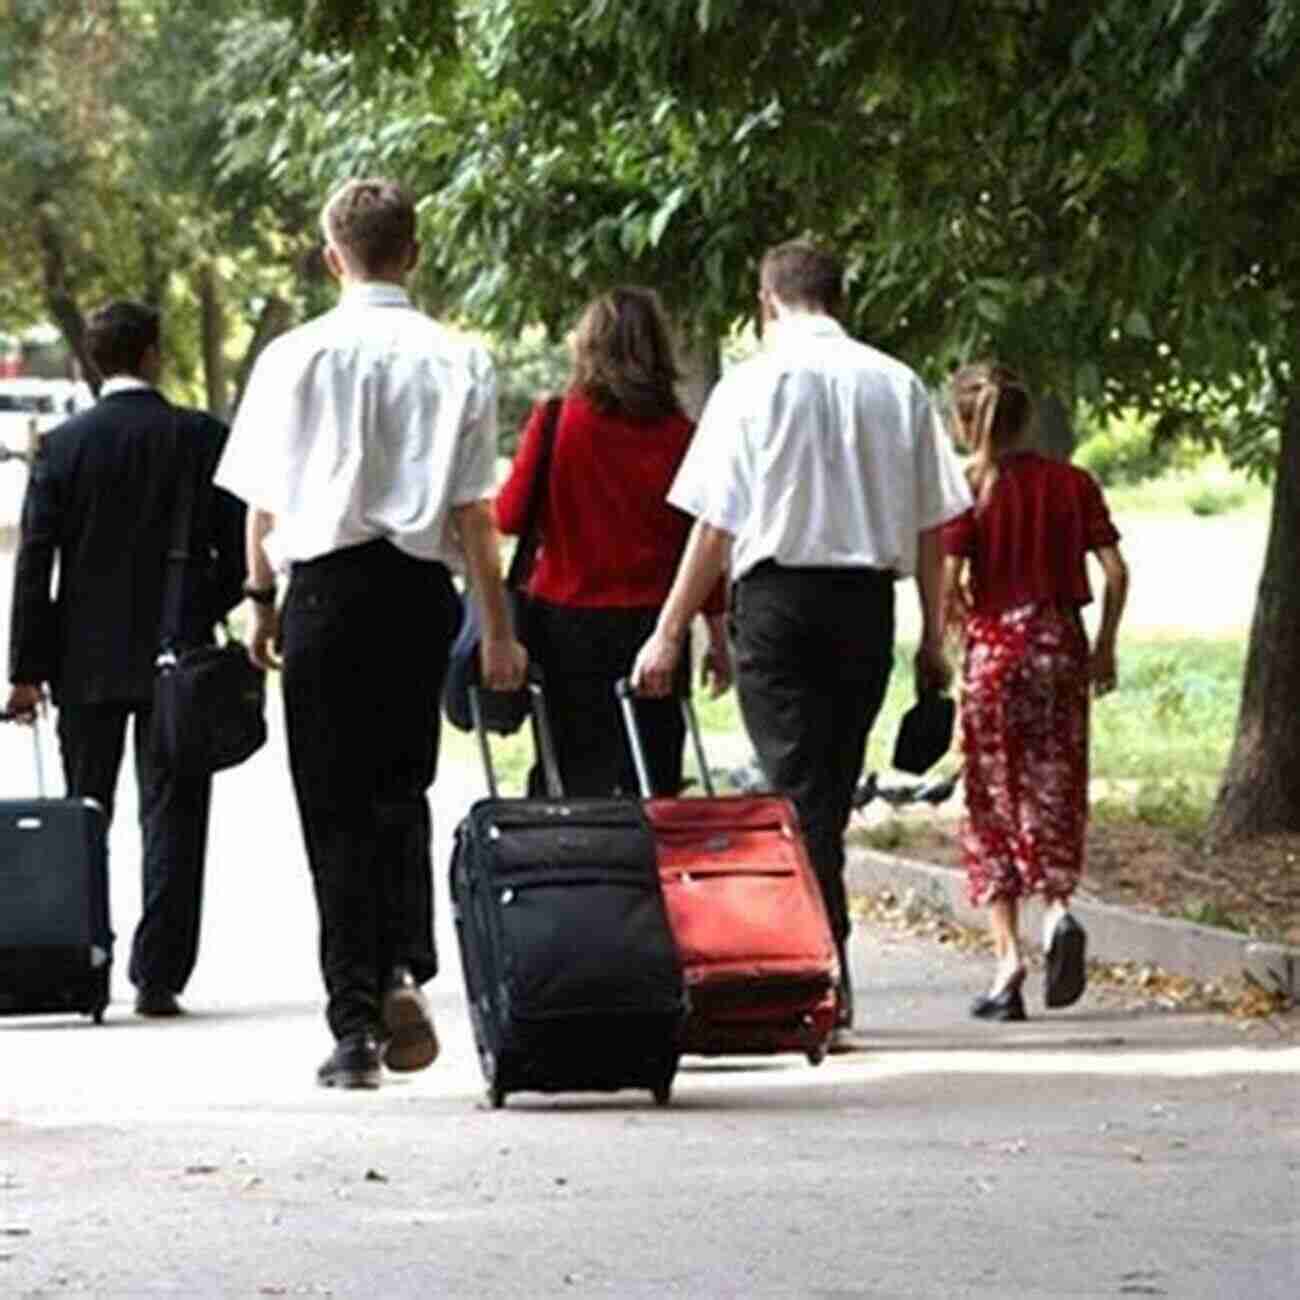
(623, 355)
(119, 334)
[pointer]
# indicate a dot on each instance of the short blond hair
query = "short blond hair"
(371, 222)
(801, 274)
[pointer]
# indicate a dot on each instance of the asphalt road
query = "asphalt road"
(1088, 1153)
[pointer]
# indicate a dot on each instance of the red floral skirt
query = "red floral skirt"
(1024, 734)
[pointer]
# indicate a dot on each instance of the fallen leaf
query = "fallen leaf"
(374, 1176)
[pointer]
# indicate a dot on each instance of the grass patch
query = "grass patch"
(512, 756)
(1174, 715)
(1209, 487)
(1168, 729)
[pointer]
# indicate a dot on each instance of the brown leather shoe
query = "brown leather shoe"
(410, 1042)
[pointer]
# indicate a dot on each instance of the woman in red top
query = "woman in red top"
(1017, 574)
(609, 544)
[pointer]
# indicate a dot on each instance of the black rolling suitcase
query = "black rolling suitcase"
(571, 973)
(55, 944)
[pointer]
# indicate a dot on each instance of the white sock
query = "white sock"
(1052, 914)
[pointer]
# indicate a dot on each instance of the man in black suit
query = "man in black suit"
(100, 500)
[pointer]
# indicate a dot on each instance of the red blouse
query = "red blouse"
(608, 536)
(1028, 542)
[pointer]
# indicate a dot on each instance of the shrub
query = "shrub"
(527, 368)
(1123, 451)
(1215, 499)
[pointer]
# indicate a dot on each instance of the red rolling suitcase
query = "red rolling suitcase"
(747, 914)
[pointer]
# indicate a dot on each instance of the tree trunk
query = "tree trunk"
(701, 365)
(272, 320)
(1260, 789)
(155, 274)
(212, 326)
(59, 299)
(1055, 435)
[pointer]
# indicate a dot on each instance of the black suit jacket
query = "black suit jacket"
(100, 501)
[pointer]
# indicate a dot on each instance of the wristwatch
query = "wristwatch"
(260, 595)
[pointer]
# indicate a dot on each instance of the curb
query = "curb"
(1115, 934)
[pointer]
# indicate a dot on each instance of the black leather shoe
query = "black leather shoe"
(1007, 1006)
(157, 1004)
(410, 1041)
(354, 1063)
(1067, 969)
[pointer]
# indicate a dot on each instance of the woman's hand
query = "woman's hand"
(1101, 668)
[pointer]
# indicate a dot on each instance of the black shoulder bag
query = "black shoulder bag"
(504, 712)
(209, 701)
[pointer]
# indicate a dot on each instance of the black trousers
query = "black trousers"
(582, 652)
(173, 816)
(366, 633)
(814, 649)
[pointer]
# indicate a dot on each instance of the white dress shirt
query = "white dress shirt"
(370, 421)
(124, 384)
(820, 451)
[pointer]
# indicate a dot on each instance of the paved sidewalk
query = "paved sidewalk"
(1087, 1153)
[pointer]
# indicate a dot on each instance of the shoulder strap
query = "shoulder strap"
(521, 562)
(178, 549)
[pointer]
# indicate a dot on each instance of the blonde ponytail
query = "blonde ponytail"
(993, 413)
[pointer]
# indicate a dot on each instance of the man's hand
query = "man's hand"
(717, 671)
(264, 641)
(933, 671)
(656, 664)
(26, 700)
(503, 664)
(1101, 669)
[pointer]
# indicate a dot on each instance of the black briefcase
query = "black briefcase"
(571, 973)
(209, 708)
(56, 947)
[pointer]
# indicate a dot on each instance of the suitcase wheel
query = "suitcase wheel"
(97, 1015)
(816, 1056)
(497, 1096)
(662, 1093)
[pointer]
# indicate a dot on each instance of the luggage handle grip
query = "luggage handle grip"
(627, 706)
(543, 741)
(6, 716)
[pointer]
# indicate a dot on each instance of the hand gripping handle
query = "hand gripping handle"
(627, 706)
(543, 741)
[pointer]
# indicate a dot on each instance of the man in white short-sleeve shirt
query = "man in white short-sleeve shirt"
(365, 446)
(818, 476)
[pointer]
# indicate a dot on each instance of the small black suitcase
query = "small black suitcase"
(571, 973)
(56, 947)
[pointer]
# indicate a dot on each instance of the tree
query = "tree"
(109, 185)
(1105, 194)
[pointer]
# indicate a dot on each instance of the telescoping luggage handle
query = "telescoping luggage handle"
(36, 750)
(627, 703)
(543, 743)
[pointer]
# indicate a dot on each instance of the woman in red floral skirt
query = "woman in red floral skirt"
(1017, 578)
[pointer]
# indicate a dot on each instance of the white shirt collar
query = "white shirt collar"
(375, 293)
(803, 324)
(124, 384)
